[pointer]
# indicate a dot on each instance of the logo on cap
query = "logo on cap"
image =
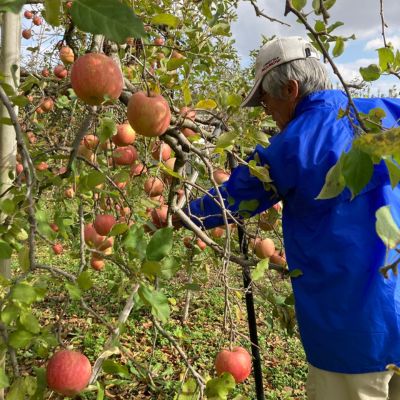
(271, 63)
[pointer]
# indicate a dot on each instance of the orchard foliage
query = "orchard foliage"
(97, 184)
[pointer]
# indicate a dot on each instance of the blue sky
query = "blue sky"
(361, 17)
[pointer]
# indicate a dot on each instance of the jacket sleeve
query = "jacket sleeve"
(244, 195)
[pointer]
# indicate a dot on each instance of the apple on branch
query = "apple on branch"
(237, 362)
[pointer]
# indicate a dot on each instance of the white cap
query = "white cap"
(276, 52)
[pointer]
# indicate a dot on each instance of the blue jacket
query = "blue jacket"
(348, 313)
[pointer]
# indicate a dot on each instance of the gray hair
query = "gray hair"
(310, 73)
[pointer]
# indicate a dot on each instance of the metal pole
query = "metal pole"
(251, 315)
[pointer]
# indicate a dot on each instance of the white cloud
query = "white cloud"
(378, 42)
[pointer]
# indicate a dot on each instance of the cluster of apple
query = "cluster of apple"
(36, 20)
(68, 372)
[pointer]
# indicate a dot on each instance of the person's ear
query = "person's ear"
(291, 90)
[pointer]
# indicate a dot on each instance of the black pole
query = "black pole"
(251, 315)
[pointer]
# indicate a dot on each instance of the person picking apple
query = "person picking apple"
(348, 313)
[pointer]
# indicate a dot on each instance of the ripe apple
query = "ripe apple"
(86, 153)
(159, 41)
(149, 115)
(161, 150)
(57, 248)
(68, 4)
(90, 141)
(54, 227)
(217, 232)
(201, 244)
(103, 223)
(106, 245)
(39, 110)
(125, 155)
(92, 238)
(95, 76)
(188, 112)
(264, 248)
(31, 137)
(47, 104)
(278, 258)
(138, 169)
(26, 33)
(19, 168)
(45, 72)
(175, 54)
(125, 135)
(154, 186)
(28, 14)
(60, 71)
(68, 372)
(96, 262)
(69, 193)
(187, 132)
(220, 176)
(37, 20)
(159, 216)
(42, 166)
(66, 55)
(237, 362)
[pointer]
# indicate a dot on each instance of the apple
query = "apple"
(161, 151)
(125, 155)
(154, 186)
(26, 33)
(148, 115)
(237, 362)
(159, 41)
(60, 71)
(175, 54)
(19, 168)
(96, 262)
(158, 199)
(39, 110)
(68, 372)
(47, 104)
(159, 216)
(45, 72)
(42, 166)
(57, 248)
(103, 223)
(92, 238)
(90, 141)
(54, 227)
(187, 132)
(86, 153)
(188, 242)
(28, 14)
(106, 245)
(37, 20)
(220, 176)
(138, 169)
(278, 258)
(68, 4)
(188, 112)
(125, 135)
(95, 76)
(66, 55)
(201, 244)
(31, 137)
(264, 248)
(69, 193)
(217, 232)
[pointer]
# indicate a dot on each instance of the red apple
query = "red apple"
(161, 150)
(68, 372)
(42, 166)
(220, 176)
(95, 76)
(92, 238)
(26, 33)
(28, 14)
(201, 244)
(187, 132)
(217, 232)
(138, 169)
(159, 216)
(125, 135)
(54, 227)
(264, 248)
(60, 71)
(57, 248)
(188, 112)
(154, 186)
(278, 258)
(103, 223)
(148, 115)
(47, 104)
(45, 72)
(66, 55)
(19, 168)
(96, 262)
(125, 155)
(159, 41)
(237, 362)
(90, 141)
(37, 20)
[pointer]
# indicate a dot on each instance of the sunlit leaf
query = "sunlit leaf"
(334, 183)
(206, 104)
(387, 228)
(53, 9)
(370, 73)
(165, 19)
(386, 143)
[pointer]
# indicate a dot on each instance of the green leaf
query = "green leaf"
(40, 382)
(118, 229)
(165, 19)
(20, 101)
(339, 47)
(219, 388)
(111, 367)
(334, 183)
(112, 18)
(370, 73)
(5, 250)
(4, 381)
(357, 170)
(158, 302)
(13, 6)
(19, 339)
(160, 244)
(189, 390)
(7, 206)
(296, 273)
(225, 140)
(29, 322)
(207, 104)
(175, 63)
(247, 207)
(95, 178)
(334, 26)
(170, 266)
(319, 26)
(53, 9)
(262, 173)
(151, 268)
(10, 313)
(74, 291)
(24, 293)
(386, 57)
(187, 96)
(394, 172)
(84, 280)
(100, 391)
(135, 242)
(386, 143)
(221, 29)
(387, 228)
(107, 129)
(299, 4)
(260, 269)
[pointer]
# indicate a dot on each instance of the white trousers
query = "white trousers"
(326, 385)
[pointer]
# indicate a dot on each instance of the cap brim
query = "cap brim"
(253, 99)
